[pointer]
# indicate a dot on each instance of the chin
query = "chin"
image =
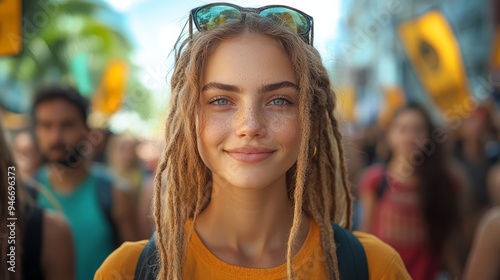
(249, 185)
(253, 181)
(56, 159)
(57, 156)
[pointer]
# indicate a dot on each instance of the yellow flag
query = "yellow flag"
(435, 54)
(111, 93)
(10, 27)
(14, 121)
(346, 104)
(495, 53)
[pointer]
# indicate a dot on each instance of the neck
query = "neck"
(400, 168)
(124, 169)
(249, 221)
(65, 179)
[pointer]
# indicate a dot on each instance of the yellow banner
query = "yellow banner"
(495, 52)
(111, 93)
(435, 54)
(346, 104)
(10, 27)
(14, 121)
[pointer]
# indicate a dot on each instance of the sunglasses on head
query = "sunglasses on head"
(211, 16)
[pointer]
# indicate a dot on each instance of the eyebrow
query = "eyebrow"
(262, 89)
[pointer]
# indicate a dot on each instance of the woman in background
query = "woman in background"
(412, 201)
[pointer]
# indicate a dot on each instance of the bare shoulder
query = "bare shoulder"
(383, 261)
(56, 226)
(491, 221)
(121, 191)
(124, 198)
(493, 214)
(58, 260)
(122, 262)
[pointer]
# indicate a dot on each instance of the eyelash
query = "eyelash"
(219, 98)
(286, 98)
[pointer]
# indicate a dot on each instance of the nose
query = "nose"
(57, 134)
(250, 123)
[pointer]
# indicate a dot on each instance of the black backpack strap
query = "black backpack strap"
(31, 190)
(105, 199)
(382, 187)
(30, 185)
(32, 246)
(350, 254)
(146, 268)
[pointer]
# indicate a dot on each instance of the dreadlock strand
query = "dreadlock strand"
(323, 218)
(334, 158)
(345, 182)
(158, 212)
(301, 166)
(347, 195)
(297, 211)
(327, 241)
(175, 237)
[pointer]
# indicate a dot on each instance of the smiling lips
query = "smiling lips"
(250, 154)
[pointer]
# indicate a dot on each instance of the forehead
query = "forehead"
(57, 110)
(251, 58)
(410, 117)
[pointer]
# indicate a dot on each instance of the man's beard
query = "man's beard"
(72, 158)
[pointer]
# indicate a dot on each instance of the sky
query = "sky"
(154, 26)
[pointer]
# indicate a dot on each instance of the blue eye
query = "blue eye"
(221, 101)
(280, 102)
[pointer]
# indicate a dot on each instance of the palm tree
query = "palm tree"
(54, 33)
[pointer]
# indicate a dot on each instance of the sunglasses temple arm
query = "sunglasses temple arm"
(312, 33)
(190, 26)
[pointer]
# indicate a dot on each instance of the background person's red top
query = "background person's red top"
(398, 221)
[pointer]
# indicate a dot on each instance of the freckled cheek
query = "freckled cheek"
(214, 128)
(286, 129)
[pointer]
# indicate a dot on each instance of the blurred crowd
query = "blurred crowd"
(425, 182)
(96, 186)
(427, 188)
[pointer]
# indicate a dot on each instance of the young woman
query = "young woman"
(411, 201)
(254, 168)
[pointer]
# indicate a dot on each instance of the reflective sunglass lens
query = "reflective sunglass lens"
(294, 20)
(213, 16)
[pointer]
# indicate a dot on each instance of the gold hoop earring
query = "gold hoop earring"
(314, 152)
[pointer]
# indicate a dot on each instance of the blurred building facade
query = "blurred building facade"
(373, 57)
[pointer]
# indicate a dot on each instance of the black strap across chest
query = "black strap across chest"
(350, 253)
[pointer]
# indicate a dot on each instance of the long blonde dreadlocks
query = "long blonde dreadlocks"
(318, 184)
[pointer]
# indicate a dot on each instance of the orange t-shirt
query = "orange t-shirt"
(383, 261)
